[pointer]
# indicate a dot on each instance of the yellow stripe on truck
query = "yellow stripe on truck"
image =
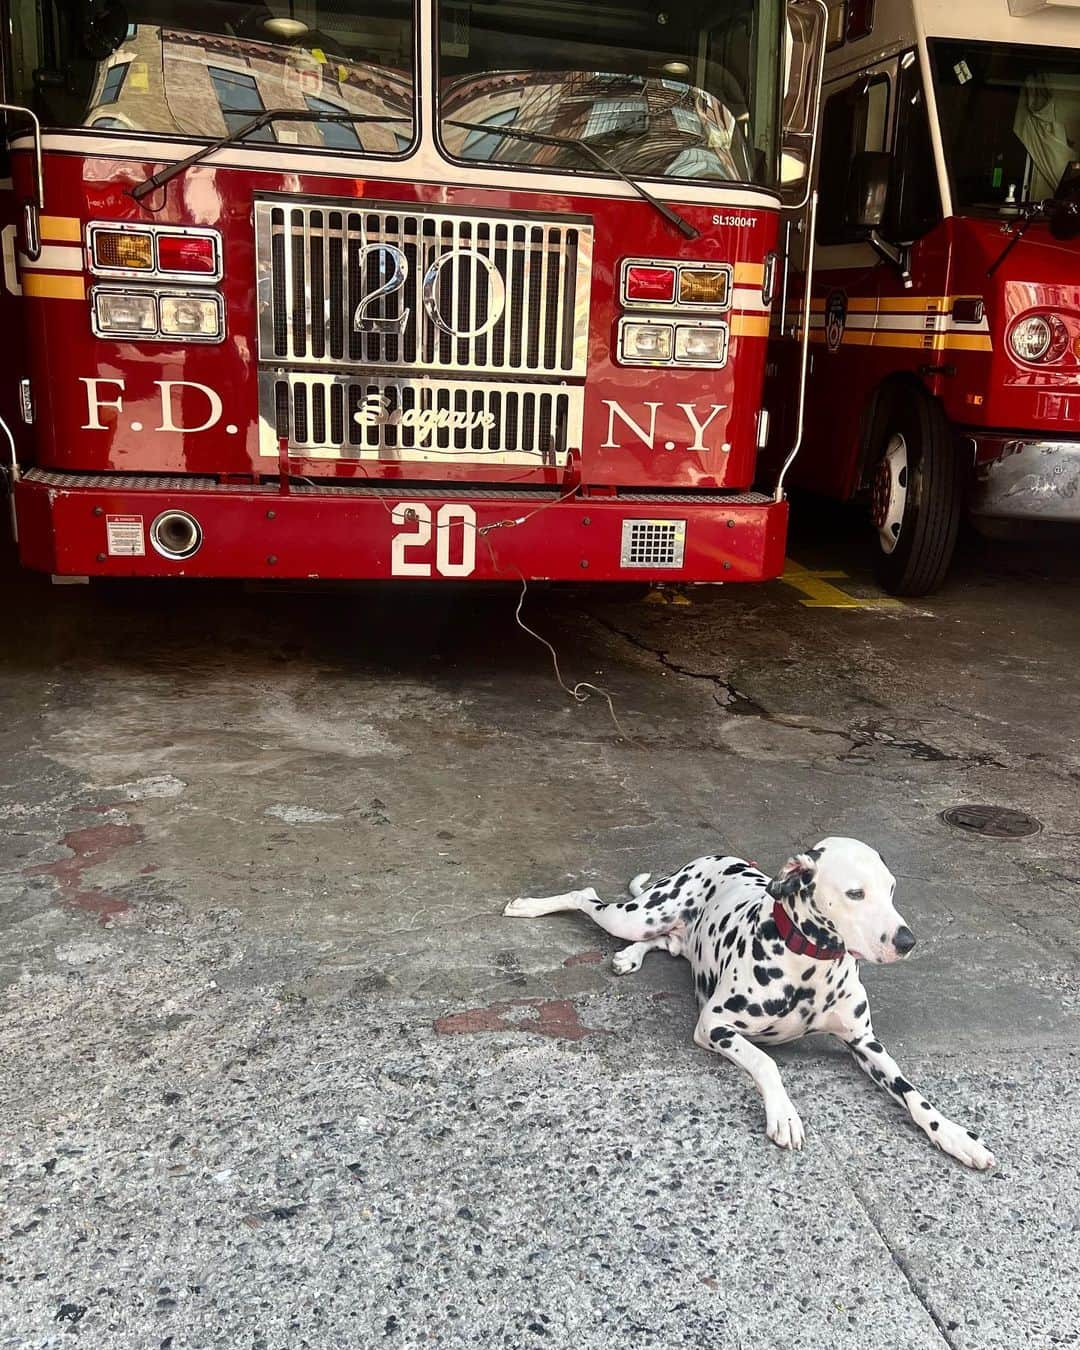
(749, 274)
(49, 286)
(61, 229)
(747, 325)
(926, 342)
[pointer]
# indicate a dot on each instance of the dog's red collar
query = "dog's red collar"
(797, 941)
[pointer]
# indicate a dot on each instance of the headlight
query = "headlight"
(157, 316)
(700, 346)
(1038, 339)
(191, 316)
(649, 343)
(118, 313)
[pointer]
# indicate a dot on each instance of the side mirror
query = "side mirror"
(868, 190)
(804, 58)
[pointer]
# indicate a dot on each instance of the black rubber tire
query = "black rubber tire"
(935, 496)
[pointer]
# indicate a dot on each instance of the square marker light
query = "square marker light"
(703, 286)
(655, 285)
(124, 250)
(196, 254)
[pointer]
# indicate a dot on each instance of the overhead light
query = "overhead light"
(285, 28)
(676, 68)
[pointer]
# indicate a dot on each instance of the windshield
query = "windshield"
(204, 69)
(1010, 120)
(678, 91)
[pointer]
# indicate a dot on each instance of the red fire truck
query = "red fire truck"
(366, 289)
(945, 312)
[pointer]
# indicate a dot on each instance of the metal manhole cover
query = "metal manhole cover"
(996, 822)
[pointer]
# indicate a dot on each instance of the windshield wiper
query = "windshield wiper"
(598, 157)
(163, 176)
(1030, 212)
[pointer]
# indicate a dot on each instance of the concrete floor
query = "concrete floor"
(276, 1073)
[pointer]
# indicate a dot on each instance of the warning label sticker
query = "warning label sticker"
(125, 535)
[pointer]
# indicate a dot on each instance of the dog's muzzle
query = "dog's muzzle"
(904, 940)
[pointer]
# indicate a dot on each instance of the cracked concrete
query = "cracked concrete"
(277, 1074)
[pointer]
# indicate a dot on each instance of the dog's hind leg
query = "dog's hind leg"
(630, 958)
(626, 919)
(529, 907)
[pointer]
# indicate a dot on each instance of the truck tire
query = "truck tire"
(917, 495)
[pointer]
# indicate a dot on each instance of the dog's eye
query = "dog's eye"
(856, 895)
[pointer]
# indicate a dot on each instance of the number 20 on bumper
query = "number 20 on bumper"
(455, 540)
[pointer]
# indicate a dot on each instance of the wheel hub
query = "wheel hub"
(889, 493)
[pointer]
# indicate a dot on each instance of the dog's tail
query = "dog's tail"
(639, 884)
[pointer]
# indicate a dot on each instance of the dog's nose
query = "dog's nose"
(904, 940)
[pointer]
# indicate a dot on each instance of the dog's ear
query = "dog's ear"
(796, 873)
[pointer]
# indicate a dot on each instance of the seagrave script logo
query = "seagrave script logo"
(378, 410)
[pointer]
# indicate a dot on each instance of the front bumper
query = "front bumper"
(100, 525)
(1019, 479)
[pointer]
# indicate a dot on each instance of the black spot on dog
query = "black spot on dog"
(630, 906)
(757, 951)
(766, 974)
(721, 1036)
(740, 1025)
(925, 1106)
(736, 1003)
(859, 1009)
(734, 869)
(731, 938)
(902, 1086)
(741, 945)
(655, 900)
(875, 1046)
(808, 972)
(754, 1009)
(934, 1124)
(971, 1134)
(815, 853)
(769, 931)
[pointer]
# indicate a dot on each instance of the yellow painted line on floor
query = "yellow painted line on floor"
(814, 585)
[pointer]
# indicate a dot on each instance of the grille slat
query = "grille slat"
(311, 256)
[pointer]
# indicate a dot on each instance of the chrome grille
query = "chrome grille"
(321, 264)
(419, 420)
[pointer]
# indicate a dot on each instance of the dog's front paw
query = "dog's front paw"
(963, 1145)
(784, 1127)
(625, 963)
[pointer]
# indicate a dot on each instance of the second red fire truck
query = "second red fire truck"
(945, 302)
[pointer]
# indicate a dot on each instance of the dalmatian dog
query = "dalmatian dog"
(774, 960)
